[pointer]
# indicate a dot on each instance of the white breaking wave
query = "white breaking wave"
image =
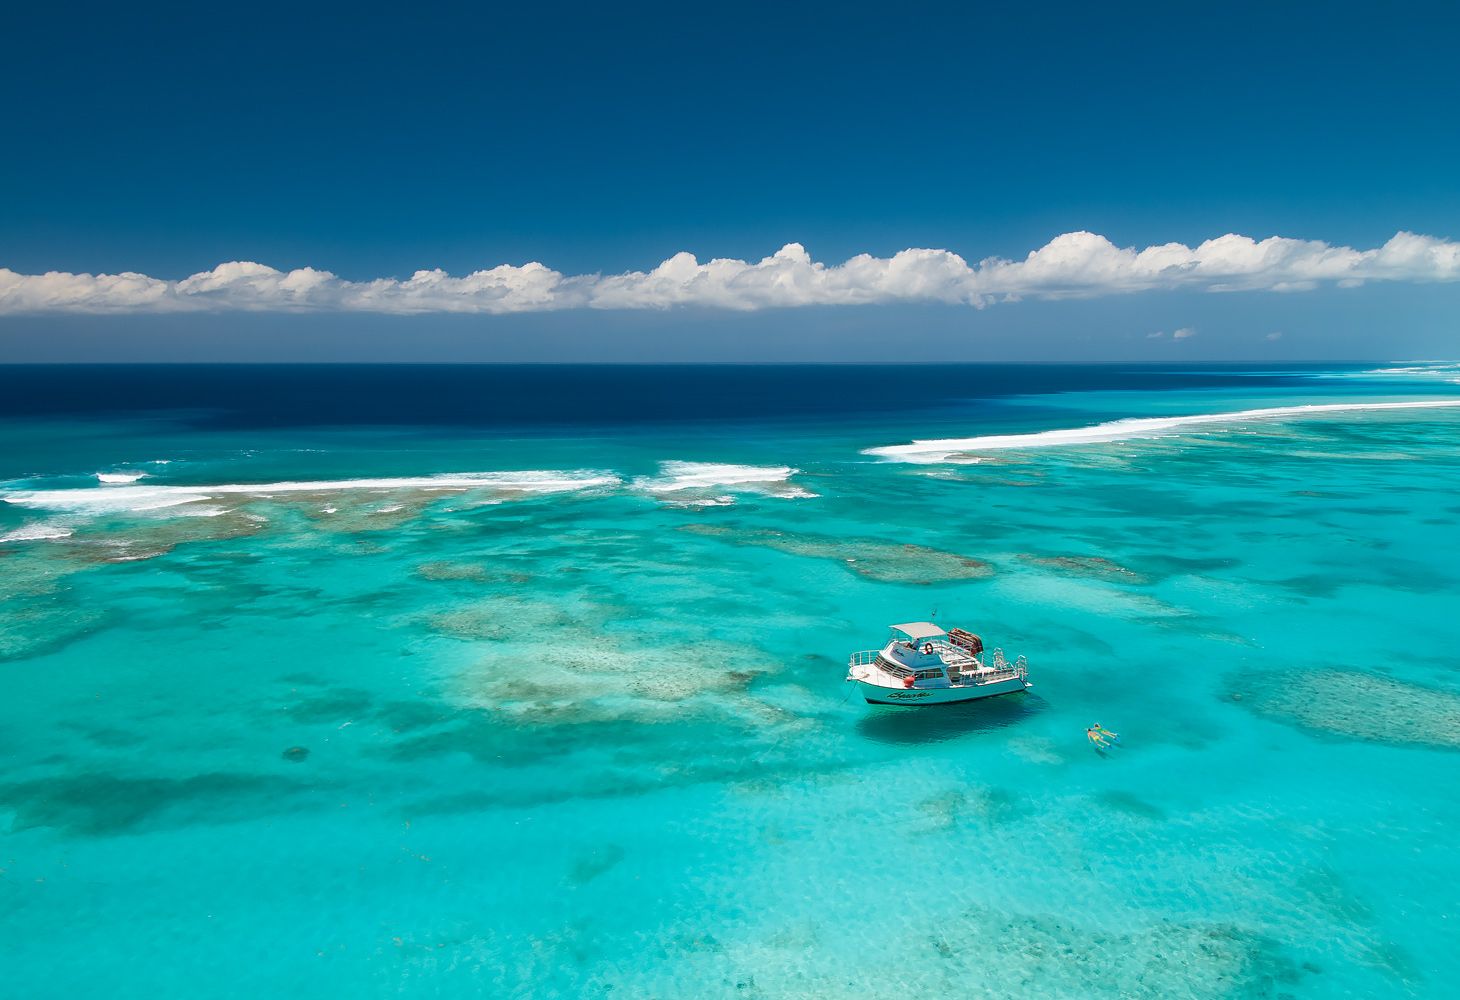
(706, 477)
(120, 477)
(1444, 371)
(1126, 429)
(38, 532)
(108, 500)
(134, 499)
(703, 475)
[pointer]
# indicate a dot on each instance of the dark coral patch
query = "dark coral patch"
(1096, 567)
(874, 559)
(333, 705)
(442, 570)
(595, 863)
(106, 804)
(1132, 805)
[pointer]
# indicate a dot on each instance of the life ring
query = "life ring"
(907, 682)
(927, 649)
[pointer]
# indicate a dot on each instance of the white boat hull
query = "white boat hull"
(878, 694)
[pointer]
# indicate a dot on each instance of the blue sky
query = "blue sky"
(597, 140)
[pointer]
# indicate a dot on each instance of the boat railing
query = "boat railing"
(998, 668)
(1019, 668)
(951, 652)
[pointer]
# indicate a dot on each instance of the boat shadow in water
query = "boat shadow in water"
(905, 726)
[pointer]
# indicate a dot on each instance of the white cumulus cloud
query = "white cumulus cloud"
(1072, 265)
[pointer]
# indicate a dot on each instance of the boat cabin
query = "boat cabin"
(933, 656)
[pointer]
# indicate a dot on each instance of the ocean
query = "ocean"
(528, 681)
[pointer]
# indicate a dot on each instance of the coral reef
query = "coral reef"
(1354, 705)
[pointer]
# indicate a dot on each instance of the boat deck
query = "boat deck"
(967, 671)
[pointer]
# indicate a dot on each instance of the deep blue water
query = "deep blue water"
(581, 397)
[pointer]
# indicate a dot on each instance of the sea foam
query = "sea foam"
(37, 532)
(1443, 371)
(716, 477)
(1126, 429)
(137, 499)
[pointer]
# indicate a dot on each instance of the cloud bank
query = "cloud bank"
(1073, 265)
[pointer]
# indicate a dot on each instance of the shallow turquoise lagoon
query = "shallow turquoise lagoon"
(364, 708)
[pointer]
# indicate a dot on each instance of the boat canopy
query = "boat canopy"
(919, 630)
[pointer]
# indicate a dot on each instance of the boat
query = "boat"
(922, 664)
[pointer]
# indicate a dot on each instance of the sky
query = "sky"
(759, 182)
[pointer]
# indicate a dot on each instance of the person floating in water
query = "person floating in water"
(1101, 737)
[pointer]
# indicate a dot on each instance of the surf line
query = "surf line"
(1125, 429)
(132, 497)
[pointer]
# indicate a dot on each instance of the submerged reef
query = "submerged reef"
(875, 559)
(40, 613)
(583, 658)
(140, 539)
(1096, 567)
(352, 514)
(1354, 705)
(1049, 955)
(972, 809)
(444, 570)
(987, 952)
(596, 862)
(35, 626)
(44, 607)
(96, 804)
(499, 617)
(564, 681)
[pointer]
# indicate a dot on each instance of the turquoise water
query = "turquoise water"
(578, 727)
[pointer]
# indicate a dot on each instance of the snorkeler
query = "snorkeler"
(1112, 737)
(1096, 736)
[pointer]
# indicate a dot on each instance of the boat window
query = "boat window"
(895, 669)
